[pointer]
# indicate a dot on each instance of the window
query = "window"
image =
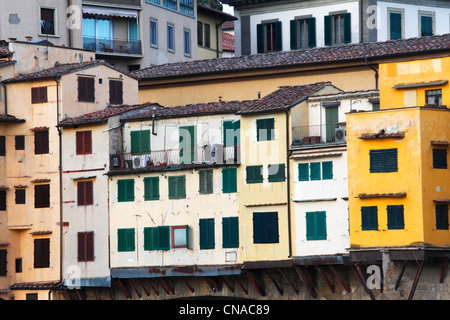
(229, 182)
(154, 33)
(151, 188)
(303, 172)
(395, 217)
(86, 89)
(85, 193)
(180, 237)
(265, 129)
(171, 4)
(268, 36)
(48, 21)
(177, 187)
(277, 172)
(125, 240)
(327, 170)
(115, 92)
(41, 144)
(265, 227)
(187, 42)
(2, 200)
(39, 95)
(303, 33)
(338, 29)
(205, 181)
(315, 170)
(85, 246)
(84, 142)
(31, 296)
(316, 226)
(170, 39)
(199, 33)
(254, 174)
(426, 25)
(442, 217)
(42, 253)
(42, 196)
(207, 35)
(395, 25)
(383, 160)
(433, 97)
(20, 196)
(230, 232)
(439, 158)
(157, 238)
(18, 265)
(369, 218)
(187, 139)
(206, 234)
(187, 6)
(140, 141)
(125, 190)
(2, 145)
(3, 263)
(20, 142)
(231, 133)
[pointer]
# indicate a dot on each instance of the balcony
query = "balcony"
(112, 46)
(306, 136)
(214, 154)
(119, 2)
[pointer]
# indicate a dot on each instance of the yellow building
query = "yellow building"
(399, 179)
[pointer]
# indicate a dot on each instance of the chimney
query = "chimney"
(29, 38)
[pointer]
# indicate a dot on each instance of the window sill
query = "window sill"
(49, 35)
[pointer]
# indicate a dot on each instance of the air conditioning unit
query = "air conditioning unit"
(213, 153)
(340, 134)
(139, 161)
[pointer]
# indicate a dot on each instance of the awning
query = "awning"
(110, 12)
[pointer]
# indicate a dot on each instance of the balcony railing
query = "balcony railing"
(112, 45)
(318, 134)
(122, 2)
(205, 155)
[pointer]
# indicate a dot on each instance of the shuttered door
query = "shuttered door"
(331, 120)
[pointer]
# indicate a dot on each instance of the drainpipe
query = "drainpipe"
(6, 98)
(376, 73)
(288, 181)
(69, 31)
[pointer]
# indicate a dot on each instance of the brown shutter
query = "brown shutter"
(89, 192)
(115, 92)
(42, 253)
(81, 189)
(81, 246)
(90, 89)
(88, 142)
(42, 196)
(34, 95)
(41, 142)
(89, 246)
(43, 94)
(79, 142)
(81, 89)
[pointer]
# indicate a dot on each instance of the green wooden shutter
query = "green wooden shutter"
(257, 228)
(390, 160)
(172, 187)
(328, 29)
(273, 226)
(312, 32)
(228, 129)
(260, 38)
(327, 170)
(181, 187)
(254, 174)
(426, 26)
(331, 120)
(369, 218)
(145, 141)
(187, 140)
(121, 240)
(316, 225)
(278, 36)
(151, 188)
(395, 25)
(376, 160)
(229, 182)
(205, 181)
(148, 238)
(265, 227)
(130, 189)
(315, 170)
(230, 232)
(347, 28)
(135, 141)
(303, 172)
(206, 234)
(164, 237)
(395, 215)
(294, 34)
(125, 190)
(277, 173)
(130, 242)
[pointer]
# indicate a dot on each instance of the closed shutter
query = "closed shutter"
(312, 32)
(115, 92)
(260, 38)
(316, 226)
(369, 218)
(84, 142)
(327, 170)
(20, 196)
(439, 158)
(181, 187)
(303, 172)
(42, 196)
(2, 200)
(441, 217)
(140, 141)
(277, 173)
(130, 240)
(121, 240)
(328, 30)
(254, 174)
(150, 238)
(2, 145)
(278, 36)
(206, 234)
(395, 25)
(315, 170)
(81, 246)
(164, 237)
(206, 181)
(41, 144)
(86, 89)
(265, 129)
(347, 28)
(395, 217)
(390, 160)
(172, 187)
(125, 190)
(229, 183)
(3, 263)
(19, 142)
(265, 227)
(89, 246)
(38, 95)
(228, 133)
(230, 232)
(42, 253)
(294, 34)
(151, 188)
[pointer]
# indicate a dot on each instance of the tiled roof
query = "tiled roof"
(58, 70)
(227, 42)
(33, 285)
(9, 118)
(102, 115)
(332, 54)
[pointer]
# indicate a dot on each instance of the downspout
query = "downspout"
(60, 194)
(288, 181)
(6, 98)
(376, 73)
(69, 4)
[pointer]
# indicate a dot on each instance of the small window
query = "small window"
(383, 160)
(157, 238)
(31, 296)
(369, 218)
(48, 21)
(85, 246)
(42, 253)
(140, 141)
(125, 240)
(433, 97)
(180, 237)
(276, 172)
(265, 227)
(439, 158)
(170, 39)
(254, 174)
(199, 33)
(187, 6)
(205, 181)
(2, 145)
(395, 25)
(338, 29)
(20, 142)
(442, 217)
(303, 33)
(86, 89)
(18, 265)
(125, 190)
(154, 33)
(265, 129)
(41, 143)
(42, 196)
(269, 37)
(426, 26)
(230, 232)
(2, 200)
(316, 227)
(207, 35)
(177, 187)
(395, 216)
(171, 4)
(315, 171)
(115, 92)
(84, 142)
(39, 95)
(85, 190)
(151, 188)
(229, 182)
(3, 263)
(207, 234)
(187, 42)
(20, 196)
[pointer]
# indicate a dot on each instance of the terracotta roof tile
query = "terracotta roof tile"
(227, 41)
(9, 118)
(331, 54)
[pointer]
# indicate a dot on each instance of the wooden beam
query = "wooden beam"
(341, 281)
(109, 293)
(240, 285)
(151, 287)
(305, 279)
(227, 284)
(95, 293)
(280, 291)
(124, 290)
(416, 280)
(255, 284)
(162, 286)
(143, 288)
(188, 285)
(361, 279)
(402, 271)
(134, 288)
(288, 281)
(168, 287)
(324, 277)
(443, 270)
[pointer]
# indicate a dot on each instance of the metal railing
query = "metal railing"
(112, 45)
(318, 134)
(204, 155)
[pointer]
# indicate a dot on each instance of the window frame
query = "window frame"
(153, 35)
(85, 192)
(83, 142)
(39, 95)
(170, 38)
(55, 21)
(435, 94)
(280, 175)
(401, 12)
(187, 42)
(172, 233)
(432, 16)
(19, 142)
(41, 142)
(265, 227)
(316, 225)
(265, 124)
(20, 196)
(41, 191)
(85, 246)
